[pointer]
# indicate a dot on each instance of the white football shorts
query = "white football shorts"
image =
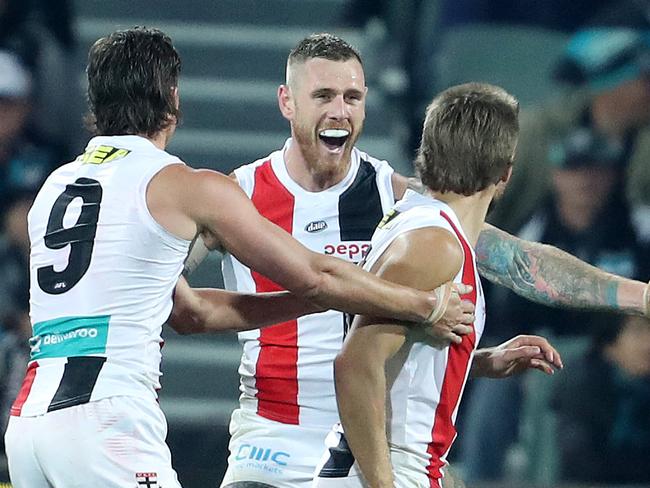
(117, 442)
(266, 451)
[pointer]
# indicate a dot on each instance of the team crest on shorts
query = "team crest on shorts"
(147, 480)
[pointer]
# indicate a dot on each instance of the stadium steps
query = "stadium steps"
(518, 58)
(200, 380)
(232, 51)
(321, 14)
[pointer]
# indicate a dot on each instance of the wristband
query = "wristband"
(443, 294)
(646, 300)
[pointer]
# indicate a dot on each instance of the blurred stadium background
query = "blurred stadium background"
(234, 54)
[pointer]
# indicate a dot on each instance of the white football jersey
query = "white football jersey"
(425, 384)
(102, 273)
(286, 370)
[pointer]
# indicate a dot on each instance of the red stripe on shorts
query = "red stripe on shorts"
(444, 431)
(17, 407)
(276, 374)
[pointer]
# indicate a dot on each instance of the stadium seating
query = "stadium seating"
(524, 55)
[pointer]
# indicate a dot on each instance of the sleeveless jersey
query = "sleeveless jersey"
(426, 384)
(102, 273)
(286, 370)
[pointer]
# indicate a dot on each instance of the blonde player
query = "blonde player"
(398, 391)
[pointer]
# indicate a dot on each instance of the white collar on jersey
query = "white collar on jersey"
(280, 169)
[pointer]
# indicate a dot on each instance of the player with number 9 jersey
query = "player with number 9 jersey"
(95, 296)
(102, 276)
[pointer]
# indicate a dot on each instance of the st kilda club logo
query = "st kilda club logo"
(147, 480)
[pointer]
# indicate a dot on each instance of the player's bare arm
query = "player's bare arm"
(211, 203)
(360, 367)
(545, 274)
(201, 246)
(515, 356)
(199, 310)
(361, 392)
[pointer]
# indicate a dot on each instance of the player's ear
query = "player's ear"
(286, 102)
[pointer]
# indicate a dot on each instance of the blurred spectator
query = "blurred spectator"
(14, 261)
(25, 157)
(41, 33)
(15, 327)
(634, 14)
(602, 403)
(611, 67)
(585, 215)
(25, 160)
(20, 21)
(407, 56)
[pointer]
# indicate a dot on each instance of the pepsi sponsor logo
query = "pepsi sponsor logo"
(316, 226)
(352, 251)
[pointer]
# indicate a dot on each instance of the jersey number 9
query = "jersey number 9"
(80, 237)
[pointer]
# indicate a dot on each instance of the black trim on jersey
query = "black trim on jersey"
(79, 378)
(340, 462)
(360, 207)
(348, 318)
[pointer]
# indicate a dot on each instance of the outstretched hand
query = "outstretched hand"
(515, 356)
(453, 317)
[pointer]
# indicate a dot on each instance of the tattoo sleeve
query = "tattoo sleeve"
(547, 275)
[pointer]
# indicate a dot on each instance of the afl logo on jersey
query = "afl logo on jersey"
(316, 226)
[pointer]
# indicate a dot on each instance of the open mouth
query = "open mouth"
(334, 139)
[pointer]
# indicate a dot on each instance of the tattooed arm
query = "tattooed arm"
(547, 275)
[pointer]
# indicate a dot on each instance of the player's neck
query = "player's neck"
(312, 177)
(470, 210)
(160, 139)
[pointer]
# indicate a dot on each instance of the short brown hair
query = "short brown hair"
(323, 45)
(131, 76)
(469, 138)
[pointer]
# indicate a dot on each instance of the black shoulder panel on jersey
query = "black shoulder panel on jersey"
(360, 206)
